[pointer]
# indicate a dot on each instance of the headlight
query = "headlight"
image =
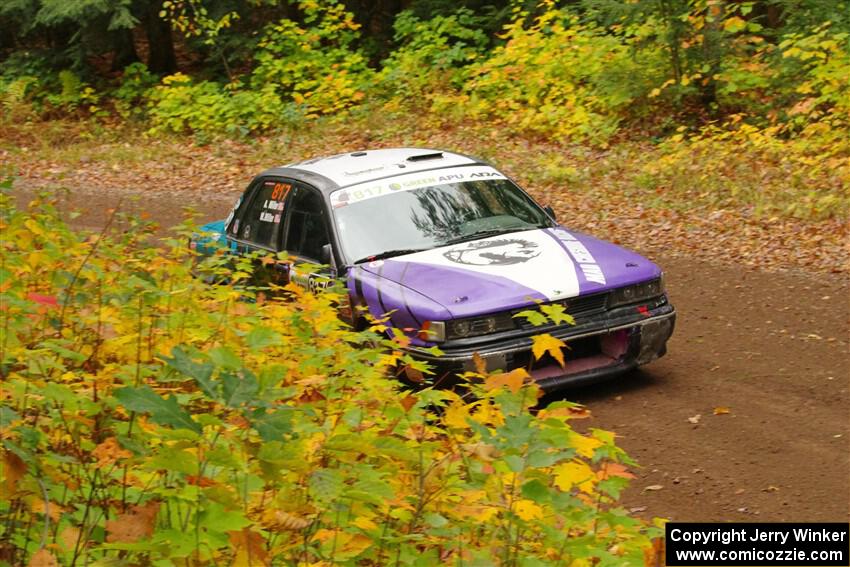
(637, 292)
(477, 326)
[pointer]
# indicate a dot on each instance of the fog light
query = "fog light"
(460, 328)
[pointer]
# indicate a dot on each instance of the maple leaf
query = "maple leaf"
(568, 475)
(528, 510)
(13, 469)
(456, 416)
(108, 452)
(546, 343)
(250, 548)
(480, 365)
(43, 558)
(134, 525)
(614, 469)
(558, 314)
(536, 318)
(584, 446)
(513, 380)
(408, 402)
(69, 536)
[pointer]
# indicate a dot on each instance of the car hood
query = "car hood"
(515, 270)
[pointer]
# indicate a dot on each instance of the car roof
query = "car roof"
(341, 170)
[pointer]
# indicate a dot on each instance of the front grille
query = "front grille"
(578, 307)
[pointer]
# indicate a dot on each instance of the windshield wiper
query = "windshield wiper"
(390, 254)
(485, 233)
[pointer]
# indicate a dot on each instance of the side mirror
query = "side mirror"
(550, 211)
(327, 255)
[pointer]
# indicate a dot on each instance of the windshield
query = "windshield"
(408, 220)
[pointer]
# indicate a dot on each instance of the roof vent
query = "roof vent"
(423, 157)
(358, 154)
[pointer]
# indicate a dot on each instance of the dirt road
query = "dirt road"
(766, 352)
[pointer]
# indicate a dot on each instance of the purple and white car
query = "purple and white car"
(452, 249)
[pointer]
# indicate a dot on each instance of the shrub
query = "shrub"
(181, 105)
(149, 418)
(136, 82)
(301, 72)
(559, 78)
(432, 54)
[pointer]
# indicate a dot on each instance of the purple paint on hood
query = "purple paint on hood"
(620, 266)
(449, 286)
(500, 273)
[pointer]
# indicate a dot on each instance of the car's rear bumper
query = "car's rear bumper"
(598, 348)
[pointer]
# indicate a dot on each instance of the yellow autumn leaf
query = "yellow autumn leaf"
(574, 473)
(734, 24)
(528, 510)
(542, 344)
(456, 416)
(479, 513)
(365, 523)
(584, 446)
(356, 545)
(513, 380)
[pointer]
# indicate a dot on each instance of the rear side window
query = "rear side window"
(261, 220)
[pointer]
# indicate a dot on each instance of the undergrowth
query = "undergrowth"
(151, 419)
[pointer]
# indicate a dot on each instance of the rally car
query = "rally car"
(451, 250)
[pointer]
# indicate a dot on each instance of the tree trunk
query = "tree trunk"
(124, 52)
(161, 57)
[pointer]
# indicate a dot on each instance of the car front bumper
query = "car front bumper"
(597, 347)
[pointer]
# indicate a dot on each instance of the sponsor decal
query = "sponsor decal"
(498, 252)
(585, 260)
(372, 189)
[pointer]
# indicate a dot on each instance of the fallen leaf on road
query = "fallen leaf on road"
(720, 410)
(695, 419)
(653, 487)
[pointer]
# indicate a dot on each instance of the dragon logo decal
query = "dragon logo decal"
(499, 252)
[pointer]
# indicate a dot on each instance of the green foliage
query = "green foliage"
(431, 54)
(180, 105)
(150, 418)
(301, 72)
(558, 77)
(314, 65)
(129, 96)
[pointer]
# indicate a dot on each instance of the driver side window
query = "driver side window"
(306, 229)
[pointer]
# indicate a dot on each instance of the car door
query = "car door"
(306, 236)
(257, 225)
